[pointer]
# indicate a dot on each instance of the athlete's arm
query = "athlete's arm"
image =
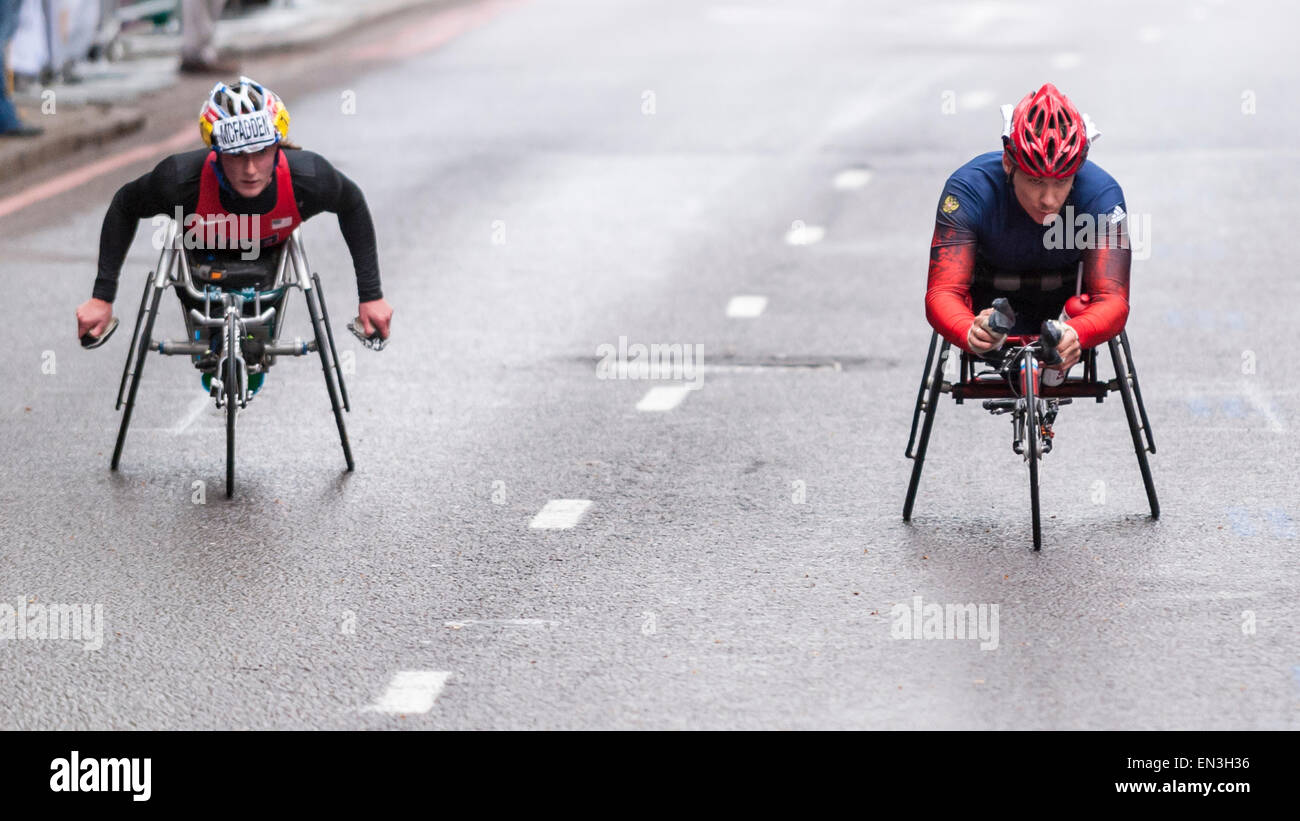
(174, 181)
(1105, 281)
(947, 294)
(319, 186)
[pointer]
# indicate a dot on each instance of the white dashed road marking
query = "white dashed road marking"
(746, 307)
(457, 625)
(410, 691)
(801, 234)
(851, 178)
(196, 409)
(560, 514)
(972, 100)
(1261, 403)
(662, 398)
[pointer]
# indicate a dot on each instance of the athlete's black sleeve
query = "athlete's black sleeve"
(317, 187)
(172, 182)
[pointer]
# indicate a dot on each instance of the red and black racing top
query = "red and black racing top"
(984, 243)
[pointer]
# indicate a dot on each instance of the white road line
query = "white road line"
(410, 691)
(851, 178)
(196, 410)
(972, 100)
(560, 514)
(1066, 59)
(820, 366)
(801, 234)
(746, 307)
(457, 625)
(1150, 34)
(662, 398)
(1262, 404)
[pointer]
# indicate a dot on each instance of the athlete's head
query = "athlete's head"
(250, 172)
(1046, 139)
(244, 122)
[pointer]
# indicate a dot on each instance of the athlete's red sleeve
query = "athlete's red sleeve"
(1105, 281)
(947, 295)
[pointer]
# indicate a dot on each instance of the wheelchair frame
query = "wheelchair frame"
(974, 385)
(238, 345)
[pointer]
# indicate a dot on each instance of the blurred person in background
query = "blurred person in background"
(198, 27)
(10, 125)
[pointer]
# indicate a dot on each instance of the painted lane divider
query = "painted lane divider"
(974, 100)
(662, 398)
(851, 178)
(463, 623)
(560, 514)
(410, 691)
(801, 234)
(746, 307)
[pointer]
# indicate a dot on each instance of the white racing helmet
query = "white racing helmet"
(243, 117)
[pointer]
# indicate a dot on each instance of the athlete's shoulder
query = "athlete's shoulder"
(304, 163)
(980, 179)
(1096, 189)
(184, 167)
(982, 169)
(971, 189)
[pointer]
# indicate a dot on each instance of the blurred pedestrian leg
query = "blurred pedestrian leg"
(198, 27)
(10, 125)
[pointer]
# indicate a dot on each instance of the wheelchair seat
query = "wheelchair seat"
(229, 271)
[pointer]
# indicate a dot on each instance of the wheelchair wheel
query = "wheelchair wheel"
(930, 390)
(1137, 423)
(329, 363)
(231, 377)
(135, 357)
(1032, 444)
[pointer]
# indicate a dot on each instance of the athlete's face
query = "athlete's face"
(1041, 197)
(249, 174)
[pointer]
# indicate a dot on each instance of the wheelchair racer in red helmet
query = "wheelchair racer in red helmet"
(996, 234)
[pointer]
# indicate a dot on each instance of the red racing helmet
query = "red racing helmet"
(1046, 135)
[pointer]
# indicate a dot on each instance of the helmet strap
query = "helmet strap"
(222, 182)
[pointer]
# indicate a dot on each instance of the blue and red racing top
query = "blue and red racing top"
(984, 240)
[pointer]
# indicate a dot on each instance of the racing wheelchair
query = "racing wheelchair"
(1009, 381)
(234, 312)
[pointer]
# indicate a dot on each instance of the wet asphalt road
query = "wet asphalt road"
(568, 173)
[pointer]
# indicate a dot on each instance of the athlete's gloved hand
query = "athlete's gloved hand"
(375, 315)
(93, 317)
(1069, 349)
(980, 339)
